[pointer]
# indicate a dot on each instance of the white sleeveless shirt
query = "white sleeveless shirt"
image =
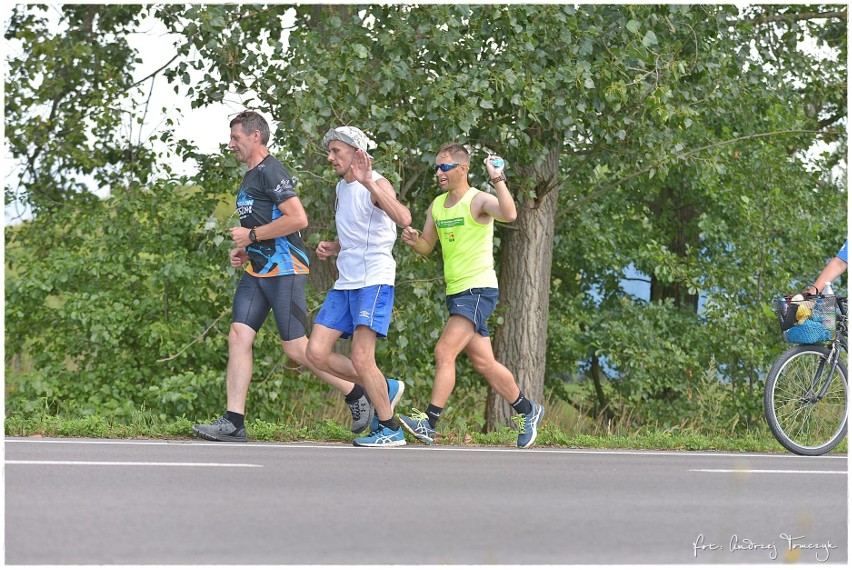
(366, 234)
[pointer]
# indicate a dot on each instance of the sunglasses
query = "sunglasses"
(446, 167)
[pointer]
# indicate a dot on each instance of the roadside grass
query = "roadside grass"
(326, 420)
(457, 434)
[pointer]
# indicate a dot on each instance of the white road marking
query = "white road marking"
(129, 463)
(431, 448)
(779, 471)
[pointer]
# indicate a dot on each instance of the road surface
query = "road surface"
(74, 501)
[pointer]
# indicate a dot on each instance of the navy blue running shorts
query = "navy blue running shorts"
(476, 305)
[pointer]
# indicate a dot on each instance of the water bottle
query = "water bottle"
(827, 313)
(496, 162)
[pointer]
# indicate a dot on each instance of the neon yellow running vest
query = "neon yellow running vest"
(467, 245)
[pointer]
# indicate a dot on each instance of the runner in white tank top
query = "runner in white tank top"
(360, 305)
(366, 235)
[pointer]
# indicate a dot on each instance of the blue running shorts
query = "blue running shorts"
(345, 309)
(476, 305)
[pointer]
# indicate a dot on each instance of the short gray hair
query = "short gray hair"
(251, 121)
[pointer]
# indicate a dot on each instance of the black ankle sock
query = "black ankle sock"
(239, 420)
(522, 405)
(355, 394)
(434, 413)
(391, 424)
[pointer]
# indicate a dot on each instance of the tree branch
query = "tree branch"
(200, 337)
(155, 72)
(840, 14)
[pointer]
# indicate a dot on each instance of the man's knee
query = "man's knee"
(445, 354)
(241, 336)
(363, 359)
(482, 364)
(363, 362)
(295, 351)
(315, 354)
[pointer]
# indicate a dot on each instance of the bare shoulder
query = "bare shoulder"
(480, 204)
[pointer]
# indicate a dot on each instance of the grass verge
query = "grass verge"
(329, 431)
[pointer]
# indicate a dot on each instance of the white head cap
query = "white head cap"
(352, 136)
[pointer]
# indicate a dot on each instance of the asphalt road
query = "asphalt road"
(99, 502)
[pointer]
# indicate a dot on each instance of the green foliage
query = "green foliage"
(696, 147)
(72, 107)
(731, 215)
(104, 309)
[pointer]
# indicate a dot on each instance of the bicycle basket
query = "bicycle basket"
(807, 321)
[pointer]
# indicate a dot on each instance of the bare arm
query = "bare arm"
(294, 219)
(422, 243)
(383, 193)
(501, 208)
(832, 271)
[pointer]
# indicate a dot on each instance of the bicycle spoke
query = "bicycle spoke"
(800, 420)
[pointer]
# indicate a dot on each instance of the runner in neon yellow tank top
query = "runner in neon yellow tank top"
(467, 243)
(463, 219)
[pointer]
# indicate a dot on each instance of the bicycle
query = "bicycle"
(806, 396)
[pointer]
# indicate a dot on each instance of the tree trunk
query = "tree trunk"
(679, 292)
(678, 217)
(597, 373)
(526, 256)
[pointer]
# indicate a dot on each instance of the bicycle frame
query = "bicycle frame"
(836, 346)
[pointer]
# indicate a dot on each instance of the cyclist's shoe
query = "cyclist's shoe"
(418, 426)
(362, 413)
(395, 390)
(221, 430)
(528, 425)
(382, 437)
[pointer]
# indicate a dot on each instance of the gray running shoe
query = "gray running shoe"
(221, 430)
(362, 413)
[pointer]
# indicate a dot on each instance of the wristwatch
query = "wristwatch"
(253, 236)
(501, 178)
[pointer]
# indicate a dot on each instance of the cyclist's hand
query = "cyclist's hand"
(810, 291)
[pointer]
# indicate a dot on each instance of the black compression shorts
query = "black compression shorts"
(284, 294)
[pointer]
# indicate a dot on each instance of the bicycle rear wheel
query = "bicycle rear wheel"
(799, 421)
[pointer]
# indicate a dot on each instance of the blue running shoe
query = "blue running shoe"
(528, 425)
(395, 390)
(382, 437)
(418, 426)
